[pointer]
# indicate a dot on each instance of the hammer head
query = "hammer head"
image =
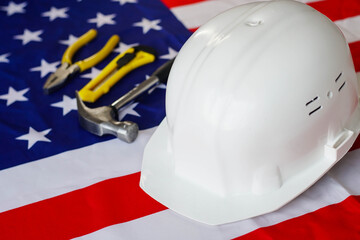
(101, 120)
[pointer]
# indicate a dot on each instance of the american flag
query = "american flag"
(58, 181)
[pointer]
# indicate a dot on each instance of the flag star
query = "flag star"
(147, 25)
(4, 58)
(13, 8)
(93, 74)
(70, 41)
(122, 2)
(161, 86)
(123, 47)
(29, 36)
(45, 68)
(54, 13)
(172, 53)
(13, 96)
(102, 19)
(128, 110)
(34, 136)
(67, 104)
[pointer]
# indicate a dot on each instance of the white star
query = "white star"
(161, 86)
(45, 67)
(147, 25)
(29, 36)
(4, 58)
(34, 136)
(14, 96)
(172, 53)
(122, 2)
(70, 41)
(93, 74)
(102, 19)
(123, 47)
(13, 8)
(128, 110)
(54, 13)
(67, 104)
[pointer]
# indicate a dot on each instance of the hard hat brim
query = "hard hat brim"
(159, 180)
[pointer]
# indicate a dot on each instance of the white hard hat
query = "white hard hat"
(261, 102)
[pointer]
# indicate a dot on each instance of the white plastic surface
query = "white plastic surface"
(261, 102)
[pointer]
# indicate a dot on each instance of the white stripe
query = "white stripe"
(163, 225)
(193, 15)
(196, 14)
(70, 170)
(342, 181)
(351, 28)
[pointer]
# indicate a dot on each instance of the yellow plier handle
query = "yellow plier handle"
(115, 70)
(95, 58)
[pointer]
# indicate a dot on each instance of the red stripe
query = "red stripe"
(337, 9)
(333, 9)
(177, 3)
(356, 144)
(338, 221)
(80, 212)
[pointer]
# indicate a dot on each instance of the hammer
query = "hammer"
(103, 120)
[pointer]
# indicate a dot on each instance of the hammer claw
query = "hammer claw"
(101, 121)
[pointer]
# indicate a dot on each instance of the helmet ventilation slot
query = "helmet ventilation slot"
(316, 109)
(342, 85)
(338, 77)
(311, 101)
(314, 99)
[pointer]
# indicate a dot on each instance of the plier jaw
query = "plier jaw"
(58, 79)
(68, 69)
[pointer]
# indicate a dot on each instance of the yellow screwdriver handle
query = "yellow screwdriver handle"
(110, 75)
(100, 55)
(72, 49)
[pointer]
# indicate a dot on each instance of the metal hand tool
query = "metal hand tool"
(103, 120)
(120, 66)
(69, 69)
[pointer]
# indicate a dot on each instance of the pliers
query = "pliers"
(68, 69)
